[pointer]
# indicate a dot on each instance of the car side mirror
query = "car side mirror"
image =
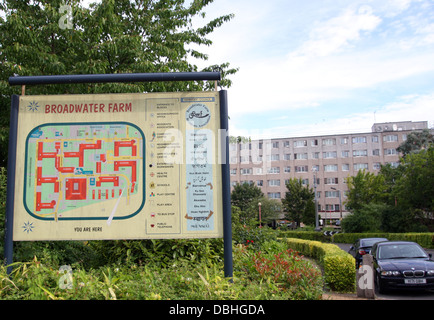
(430, 255)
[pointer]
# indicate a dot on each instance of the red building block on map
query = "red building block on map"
(76, 189)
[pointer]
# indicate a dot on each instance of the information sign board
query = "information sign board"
(118, 166)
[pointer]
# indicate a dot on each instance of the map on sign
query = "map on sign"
(72, 169)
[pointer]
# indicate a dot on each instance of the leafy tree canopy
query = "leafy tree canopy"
(37, 37)
(417, 140)
(299, 202)
(244, 195)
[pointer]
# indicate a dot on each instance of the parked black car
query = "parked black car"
(361, 247)
(402, 264)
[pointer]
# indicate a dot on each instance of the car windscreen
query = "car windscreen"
(400, 251)
(370, 242)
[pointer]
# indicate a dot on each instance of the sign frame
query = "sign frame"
(223, 130)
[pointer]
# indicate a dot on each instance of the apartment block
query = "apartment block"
(322, 162)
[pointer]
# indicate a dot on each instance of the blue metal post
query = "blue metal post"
(12, 152)
(226, 186)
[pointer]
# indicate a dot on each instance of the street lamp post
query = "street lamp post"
(340, 201)
(316, 201)
(260, 223)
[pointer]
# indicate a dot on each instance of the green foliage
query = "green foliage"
(244, 196)
(338, 265)
(365, 188)
(282, 272)
(367, 218)
(416, 141)
(160, 253)
(299, 202)
(180, 279)
(415, 187)
(248, 232)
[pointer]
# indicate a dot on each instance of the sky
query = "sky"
(318, 67)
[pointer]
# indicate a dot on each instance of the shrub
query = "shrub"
(338, 265)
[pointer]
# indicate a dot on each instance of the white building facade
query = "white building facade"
(322, 162)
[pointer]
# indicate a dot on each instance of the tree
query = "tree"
(244, 195)
(365, 188)
(299, 202)
(415, 187)
(416, 141)
(122, 36)
(367, 218)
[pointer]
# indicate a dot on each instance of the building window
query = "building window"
(305, 182)
(374, 138)
(359, 140)
(300, 143)
(274, 183)
(275, 157)
(273, 170)
(377, 166)
(329, 142)
(275, 145)
(345, 167)
(244, 159)
(259, 170)
(246, 171)
(360, 153)
(376, 152)
(329, 155)
(390, 152)
(390, 138)
(287, 169)
(344, 140)
(315, 168)
(360, 166)
(332, 207)
(330, 180)
(301, 169)
(345, 154)
(259, 183)
(332, 194)
(331, 167)
(286, 144)
(300, 156)
(314, 143)
(287, 156)
(315, 155)
(273, 195)
(233, 172)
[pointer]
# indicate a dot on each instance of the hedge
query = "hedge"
(338, 266)
(425, 240)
